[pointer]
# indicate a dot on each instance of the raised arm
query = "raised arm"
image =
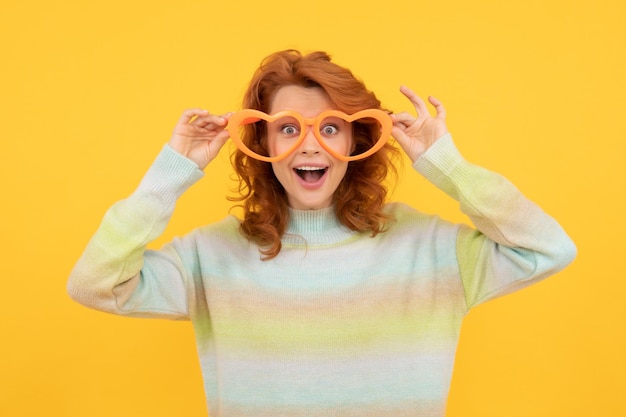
(115, 272)
(514, 242)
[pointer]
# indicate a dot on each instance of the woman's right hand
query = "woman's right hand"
(199, 135)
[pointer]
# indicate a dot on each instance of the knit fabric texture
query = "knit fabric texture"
(339, 323)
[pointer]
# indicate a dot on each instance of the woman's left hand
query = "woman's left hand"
(417, 134)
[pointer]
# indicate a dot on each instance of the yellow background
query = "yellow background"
(90, 91)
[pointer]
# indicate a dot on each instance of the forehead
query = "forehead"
(308, 101)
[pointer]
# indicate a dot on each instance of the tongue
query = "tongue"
(311, 176)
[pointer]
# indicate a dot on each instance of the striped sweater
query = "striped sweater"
(339, 323)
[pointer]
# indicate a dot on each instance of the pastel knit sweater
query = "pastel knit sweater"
(339, 323)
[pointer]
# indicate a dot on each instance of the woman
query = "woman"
(323, 300)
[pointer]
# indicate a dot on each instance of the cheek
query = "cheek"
(281, 171)
(340, 171)
(271, 146)
(275, 147)
(349, 145)
(341, 145)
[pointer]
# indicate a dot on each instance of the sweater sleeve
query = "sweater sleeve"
(514, 244)
(116, 273)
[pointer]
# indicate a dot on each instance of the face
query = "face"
(310, 175)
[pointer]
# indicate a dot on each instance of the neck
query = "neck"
(315, 227)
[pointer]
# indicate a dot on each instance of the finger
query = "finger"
(401, 137)
(218, 142)
(227, 116)
(221, 120)
(207, 119)
(441, 111)
(398, 133)
(405, 119)
(189, 114)
(418, 103)
(411, 148)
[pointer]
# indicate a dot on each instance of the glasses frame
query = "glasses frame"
(248, 116)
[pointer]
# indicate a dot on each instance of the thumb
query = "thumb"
(219, 140)
(411, 147)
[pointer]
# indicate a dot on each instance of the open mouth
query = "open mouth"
(310, 173)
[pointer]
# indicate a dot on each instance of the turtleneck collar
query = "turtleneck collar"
(315, 227)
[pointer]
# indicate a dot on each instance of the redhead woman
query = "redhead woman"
(323, 299)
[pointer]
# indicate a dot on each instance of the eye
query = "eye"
(289, 130)
(329, 130)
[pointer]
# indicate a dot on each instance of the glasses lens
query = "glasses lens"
(350, 138)
(282, 135)
(336, 133)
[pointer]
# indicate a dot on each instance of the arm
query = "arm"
(515, 243)
(115, 272)
(109, 271)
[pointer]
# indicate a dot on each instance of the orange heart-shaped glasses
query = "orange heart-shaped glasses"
(248, 116)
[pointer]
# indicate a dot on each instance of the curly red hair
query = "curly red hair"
(359, 198)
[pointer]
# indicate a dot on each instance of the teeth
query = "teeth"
(308, 168)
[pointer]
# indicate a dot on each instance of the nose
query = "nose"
(310, 145)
